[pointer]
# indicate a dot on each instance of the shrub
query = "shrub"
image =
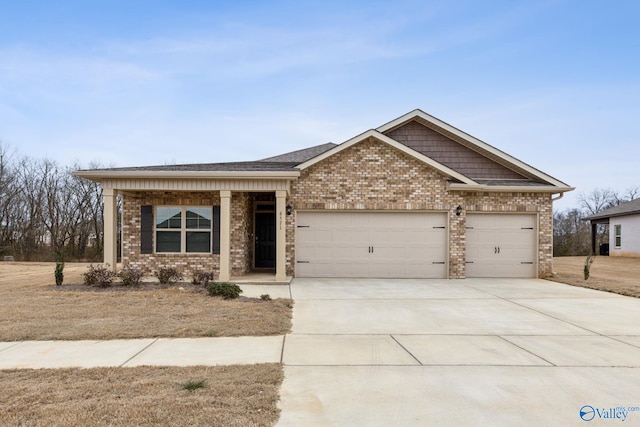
(193, 385)
(202, 277)
(224, 290)
(99, 275)
(265, 297)
(168, 275)
(59, 275)
(131, 276)
(587, 267)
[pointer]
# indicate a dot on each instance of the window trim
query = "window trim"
(183, 229)
(617, 235)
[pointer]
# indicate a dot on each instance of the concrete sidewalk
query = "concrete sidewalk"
(138, 352)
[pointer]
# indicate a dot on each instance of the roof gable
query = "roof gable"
(474, 144)
(385, 139)
(450, 153)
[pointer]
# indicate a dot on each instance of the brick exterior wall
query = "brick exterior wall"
(372, 175)
(241, 231)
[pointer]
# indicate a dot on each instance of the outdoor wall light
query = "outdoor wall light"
(458, 210)
(289, 209)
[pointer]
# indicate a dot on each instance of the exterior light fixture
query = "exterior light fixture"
(289, 210)
(458, 210)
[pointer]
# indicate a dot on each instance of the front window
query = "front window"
(183, 229)
(618, 235)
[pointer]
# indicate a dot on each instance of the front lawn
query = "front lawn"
(146, 396)
(611, 274)
(33, 308)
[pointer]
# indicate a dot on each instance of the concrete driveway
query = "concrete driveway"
(463, 352)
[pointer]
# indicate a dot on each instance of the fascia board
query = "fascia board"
(472, 140)
(509, 188)
(104, 174)
(383, 138)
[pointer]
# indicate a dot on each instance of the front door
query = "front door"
(265, 249)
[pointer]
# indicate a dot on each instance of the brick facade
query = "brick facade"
(241, 232)
(370, 175)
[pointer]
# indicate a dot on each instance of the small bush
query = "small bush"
(99, 275)
(59, 275)
(224, 290)
(168, 275)
(265, 297)
(131, 276)
(193, 385)
(587, 266)
(202, 277)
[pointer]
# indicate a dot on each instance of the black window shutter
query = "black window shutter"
(146, 229)
(216, 230)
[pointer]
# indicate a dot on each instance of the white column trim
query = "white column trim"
(281, 236)
(225, 235)
(110, 227)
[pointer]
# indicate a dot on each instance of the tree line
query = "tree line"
(47, 213)
(572, 235)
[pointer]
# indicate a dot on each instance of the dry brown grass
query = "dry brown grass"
(611, 274)
(33, 308)
(146, 396)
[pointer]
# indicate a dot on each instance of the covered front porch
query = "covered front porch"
(252, 228)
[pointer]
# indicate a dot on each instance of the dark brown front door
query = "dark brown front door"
(265, 250)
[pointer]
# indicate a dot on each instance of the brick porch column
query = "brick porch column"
(225, 236)
(281, 235)
(110, 228)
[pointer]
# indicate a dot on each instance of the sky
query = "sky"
(554, 83)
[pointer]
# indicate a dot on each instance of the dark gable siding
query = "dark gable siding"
(451, 154)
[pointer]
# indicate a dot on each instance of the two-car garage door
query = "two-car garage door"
(412, 245)
(371, 244)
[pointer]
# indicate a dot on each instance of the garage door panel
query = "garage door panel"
(501, 245)
(368, 244)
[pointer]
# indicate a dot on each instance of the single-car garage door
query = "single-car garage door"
(500, 245)
(371, 244)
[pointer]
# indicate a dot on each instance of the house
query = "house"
(413, 198)
(624, 229)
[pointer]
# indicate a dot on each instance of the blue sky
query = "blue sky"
(554, 83)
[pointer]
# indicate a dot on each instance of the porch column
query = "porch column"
(110, 228)
(225, 235)
(281, 235)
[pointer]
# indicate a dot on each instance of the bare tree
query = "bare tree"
(597, 200)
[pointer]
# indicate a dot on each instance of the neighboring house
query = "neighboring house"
(624, 228)
(414, 198)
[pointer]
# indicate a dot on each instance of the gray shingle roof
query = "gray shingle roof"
(257, 166)
(511, 182)
(301, 156)
(629, 208)
(282, 163)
